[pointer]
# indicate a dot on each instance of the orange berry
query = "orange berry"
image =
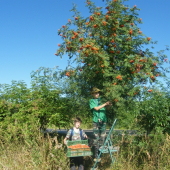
(154, 64)
(149, 38)
(152, 77)
(91, 18)
(81, 39)
(95, 26)
(104, 23)
(119, 77)
(107, 16)
(131, 31)
(116, 100)
(112, 41)
(68, 74)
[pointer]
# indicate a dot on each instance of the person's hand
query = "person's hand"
(86, 137)
(110, 104)
(65, 142)
(107, 103)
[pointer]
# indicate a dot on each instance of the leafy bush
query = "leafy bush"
(42, 104)
(153, 111)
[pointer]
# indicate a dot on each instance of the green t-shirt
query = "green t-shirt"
(94, 103)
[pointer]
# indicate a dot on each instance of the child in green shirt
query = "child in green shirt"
(99, 119)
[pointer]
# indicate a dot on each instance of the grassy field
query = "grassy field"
(31, 150)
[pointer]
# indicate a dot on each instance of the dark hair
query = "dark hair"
(77, 119)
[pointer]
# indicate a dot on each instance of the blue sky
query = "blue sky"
(29, 38)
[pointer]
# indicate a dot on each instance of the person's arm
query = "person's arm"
(65, 140)
(67, 136)
(84, 135)
(101, 106)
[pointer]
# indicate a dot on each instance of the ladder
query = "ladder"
(107, 147)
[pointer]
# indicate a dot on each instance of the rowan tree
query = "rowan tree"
(108, 50)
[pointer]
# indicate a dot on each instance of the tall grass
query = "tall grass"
(29, 149)
(149, 152)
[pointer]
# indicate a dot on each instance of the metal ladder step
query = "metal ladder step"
(106, 149)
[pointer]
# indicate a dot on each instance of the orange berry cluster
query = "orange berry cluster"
(119, 77)
(79, 146)
(68, 74)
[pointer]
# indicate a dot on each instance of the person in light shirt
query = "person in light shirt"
(76, 134)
